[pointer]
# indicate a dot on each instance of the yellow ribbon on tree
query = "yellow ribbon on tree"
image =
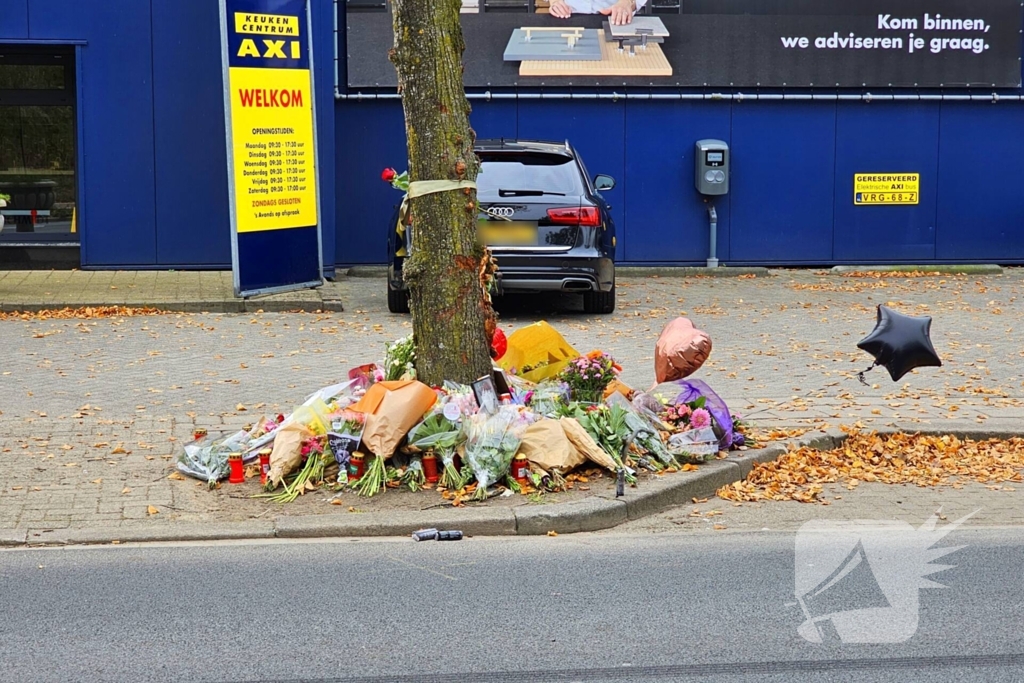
(420, 188)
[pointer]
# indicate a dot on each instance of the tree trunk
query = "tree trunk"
(447, 269)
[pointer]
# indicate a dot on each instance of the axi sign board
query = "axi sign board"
(271, 139)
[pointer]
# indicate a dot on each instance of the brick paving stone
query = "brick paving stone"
(784, 356)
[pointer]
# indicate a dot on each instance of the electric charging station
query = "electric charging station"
(711, 177)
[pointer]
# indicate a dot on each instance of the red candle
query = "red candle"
(264, 465)
(237, 469)
(430, 468)
(356, 466)
(521, 469)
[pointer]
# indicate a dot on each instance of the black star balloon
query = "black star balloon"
(901, 343)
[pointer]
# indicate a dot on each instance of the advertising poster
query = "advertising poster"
(270, 116)
(716, 43)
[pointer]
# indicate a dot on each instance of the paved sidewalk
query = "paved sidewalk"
(172, 290)
(91, 411)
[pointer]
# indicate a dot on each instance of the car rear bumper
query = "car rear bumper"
(517, 273)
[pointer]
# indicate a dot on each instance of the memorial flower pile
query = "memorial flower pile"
(371, 433)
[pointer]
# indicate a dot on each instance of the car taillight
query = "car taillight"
(587, 216)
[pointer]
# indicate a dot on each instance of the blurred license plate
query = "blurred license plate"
(508, 232)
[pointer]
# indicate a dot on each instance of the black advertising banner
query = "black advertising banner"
(722, 43)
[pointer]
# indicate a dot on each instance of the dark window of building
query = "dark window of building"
(38, 140)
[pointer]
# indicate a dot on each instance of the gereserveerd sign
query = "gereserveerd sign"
(873, 189)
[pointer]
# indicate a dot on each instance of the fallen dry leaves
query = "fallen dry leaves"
(84, 313)
(890, 459)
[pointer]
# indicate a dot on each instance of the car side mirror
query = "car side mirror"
(604, 182)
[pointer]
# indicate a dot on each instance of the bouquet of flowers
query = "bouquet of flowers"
(607, 425)
(314, 452)
(344, 437)
(442, 434)
(588, 376)
(414, 477)
(646, 433)
(703, 408)
(374, 479)
(207, 458)
(491, 443)
(400, 359)
(686, 416)
(546, 398)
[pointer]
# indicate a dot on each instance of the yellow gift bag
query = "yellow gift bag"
(537, 352)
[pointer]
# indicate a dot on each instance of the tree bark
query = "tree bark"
(447, 269)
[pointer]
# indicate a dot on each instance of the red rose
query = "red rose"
(388, 174)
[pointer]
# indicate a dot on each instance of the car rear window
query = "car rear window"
(549, 172)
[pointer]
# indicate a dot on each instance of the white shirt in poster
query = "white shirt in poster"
(595, 6)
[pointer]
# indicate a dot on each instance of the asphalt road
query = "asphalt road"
(571, 608)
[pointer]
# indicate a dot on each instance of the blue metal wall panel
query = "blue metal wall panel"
(192, 219)
(665, 218)
(323, 56)
(597, 130)
(371, 137)
(981, 176)
(13, 19)
(886, 138)
(783, 171)
(116, 139)
(69, 19)
(498, 119)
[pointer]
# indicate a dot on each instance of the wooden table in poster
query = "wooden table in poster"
(649, 61)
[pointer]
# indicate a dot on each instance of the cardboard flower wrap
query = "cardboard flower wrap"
(585, 444)
(392, 409)
(546, 445)
(287, 454)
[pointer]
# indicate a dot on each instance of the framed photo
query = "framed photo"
(486, 394)
(501, 385)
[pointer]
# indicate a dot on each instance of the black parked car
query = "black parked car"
(544, 219)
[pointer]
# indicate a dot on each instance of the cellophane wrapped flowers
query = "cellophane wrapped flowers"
(442, 434)
(491, 443)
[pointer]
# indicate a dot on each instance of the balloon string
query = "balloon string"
(860, 375)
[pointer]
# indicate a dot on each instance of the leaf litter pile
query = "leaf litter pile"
(917, 459)
(88, 312)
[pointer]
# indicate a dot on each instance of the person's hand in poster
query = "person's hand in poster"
(619, 12)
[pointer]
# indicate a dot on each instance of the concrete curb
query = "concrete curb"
(173, 531)
(471, 521)
(602, 511)
(965, 269)
(13, 537)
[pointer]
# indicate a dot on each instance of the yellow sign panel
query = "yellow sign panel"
(266, 24)
(886, 188)
(272, 132)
